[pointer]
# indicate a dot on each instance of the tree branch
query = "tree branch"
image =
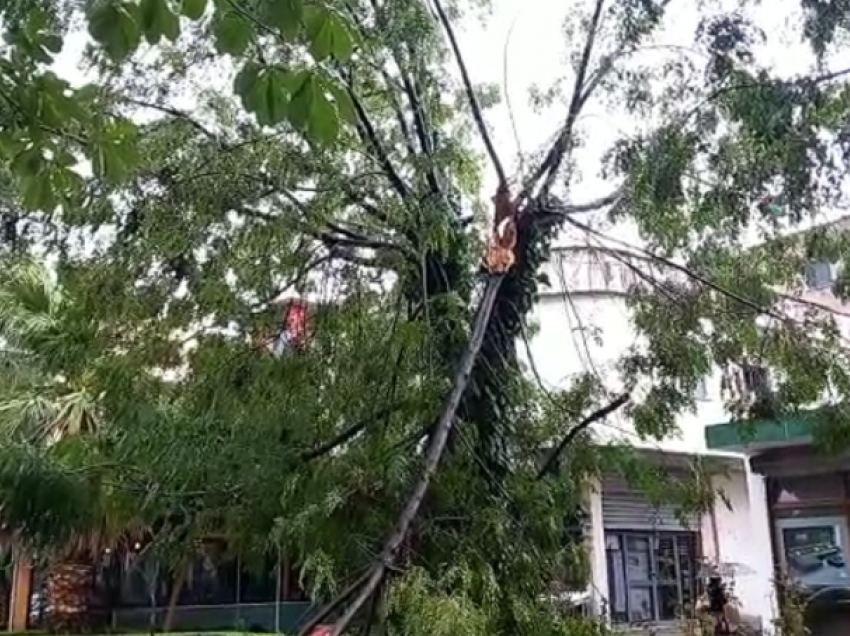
(174, 112)
(470, 94)
(578, 428)
(552, 162)
(351, 431)
(364, 242)
(370, 136)
(331, 607)
(557, 214)
(687, 271)
(437, 445)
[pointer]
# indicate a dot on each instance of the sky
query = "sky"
(532, 34)
(523, 44)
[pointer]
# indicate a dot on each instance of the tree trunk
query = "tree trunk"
(171, 612)
(70, 588)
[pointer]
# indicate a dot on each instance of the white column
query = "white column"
(762, 549)
(598, 560)
(743, 538)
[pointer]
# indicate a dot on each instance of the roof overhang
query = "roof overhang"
(711, 460)
(756, 436)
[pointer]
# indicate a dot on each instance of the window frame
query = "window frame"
(814, 280)
(757, 379)
(653, 583)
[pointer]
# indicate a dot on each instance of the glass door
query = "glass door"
(640, 577)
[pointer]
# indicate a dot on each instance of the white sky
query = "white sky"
(537, 55)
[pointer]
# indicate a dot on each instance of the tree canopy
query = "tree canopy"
(327, 152)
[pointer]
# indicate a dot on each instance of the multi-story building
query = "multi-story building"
(777, 505)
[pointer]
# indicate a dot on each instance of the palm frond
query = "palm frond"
(77, 414)
(41, 501)
(31, 301)
(28, 416)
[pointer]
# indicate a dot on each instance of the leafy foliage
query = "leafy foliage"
(330, 164)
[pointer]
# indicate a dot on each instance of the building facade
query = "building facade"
(645, 558)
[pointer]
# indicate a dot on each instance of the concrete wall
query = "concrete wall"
(743, 538)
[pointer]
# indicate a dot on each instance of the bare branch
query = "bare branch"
(552, 162)
(578, 428)
(370, 136)
(470, 94)
(556, 214)
(174, 112)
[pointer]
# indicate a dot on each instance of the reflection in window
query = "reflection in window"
(819, 275)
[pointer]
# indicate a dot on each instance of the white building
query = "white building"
(759, 516)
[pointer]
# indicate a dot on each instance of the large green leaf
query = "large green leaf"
(113, 153)
(115, 26)
(328, 34)
(273, 96)
(323, 125)
(158, 21)
(244, 83)
(37, 192)
(343, 102)
(28, 163)
(193, 9)
(232, 33)
(264, 91)
(285, 15)
(301, 104)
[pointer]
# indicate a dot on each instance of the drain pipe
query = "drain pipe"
(715, 534)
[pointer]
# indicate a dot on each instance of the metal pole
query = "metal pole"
(277, 595)
(238, 591)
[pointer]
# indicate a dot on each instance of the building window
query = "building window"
(652, 576)
(819, 275)
(756, 379)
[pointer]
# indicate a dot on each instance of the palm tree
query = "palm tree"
(45, 396)
(48, 417)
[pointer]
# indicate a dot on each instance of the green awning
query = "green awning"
(759, 434)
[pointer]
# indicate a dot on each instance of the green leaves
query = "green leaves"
(118, 25)
(113, 151)
(232, 33)
(311, 103)
(193, 9)
(264, 92)
(284, 15)
(312, 112)
(328, 34)
(36, 39)
(158, 21)
(115, 25)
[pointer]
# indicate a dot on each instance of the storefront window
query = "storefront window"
(815, 551)
(651, 576)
